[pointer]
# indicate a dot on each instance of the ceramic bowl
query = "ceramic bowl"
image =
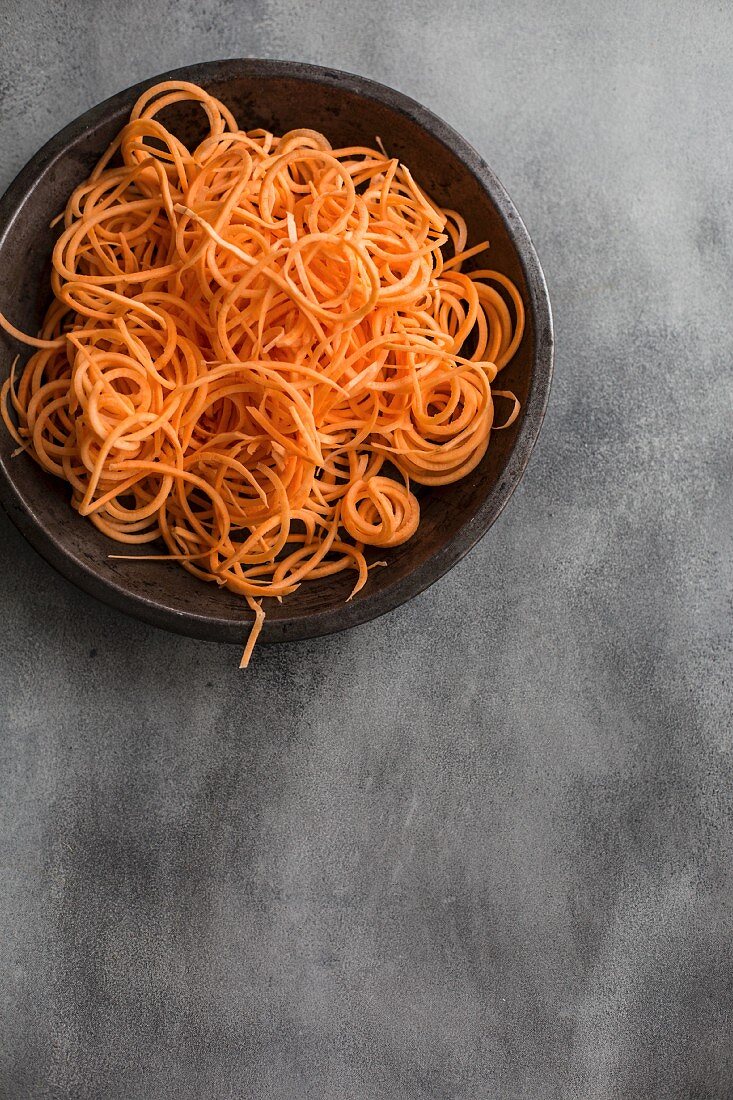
(350, 110)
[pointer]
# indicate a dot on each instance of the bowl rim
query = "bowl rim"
(212, 628)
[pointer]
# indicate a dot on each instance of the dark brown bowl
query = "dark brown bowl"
(279, 95)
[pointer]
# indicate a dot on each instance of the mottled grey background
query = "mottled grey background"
(481, 848)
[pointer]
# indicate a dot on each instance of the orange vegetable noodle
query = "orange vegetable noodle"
(256, 349)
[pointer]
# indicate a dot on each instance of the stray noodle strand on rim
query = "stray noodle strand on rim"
(255, 347)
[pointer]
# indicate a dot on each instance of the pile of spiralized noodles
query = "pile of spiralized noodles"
(254, 348)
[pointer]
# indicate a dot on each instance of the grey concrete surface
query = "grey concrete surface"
(481, 848)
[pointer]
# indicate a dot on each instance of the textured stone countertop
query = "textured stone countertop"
(481, 848)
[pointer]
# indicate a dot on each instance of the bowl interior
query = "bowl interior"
(452, 517)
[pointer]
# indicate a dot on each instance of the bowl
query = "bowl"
(350, 110)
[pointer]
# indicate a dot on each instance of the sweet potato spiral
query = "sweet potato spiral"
(255, 347)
